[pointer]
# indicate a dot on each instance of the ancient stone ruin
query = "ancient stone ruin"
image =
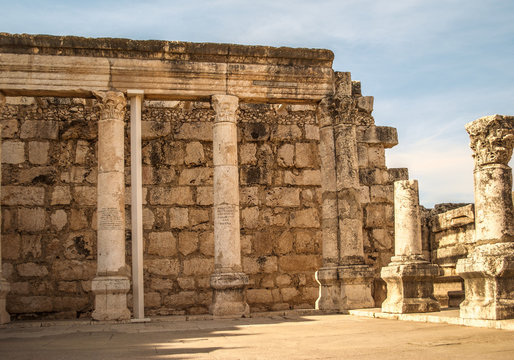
(145, 178)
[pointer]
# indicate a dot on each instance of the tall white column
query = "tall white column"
(488, 270)
(136, 98)
(228, 281)
(111, 283)
(409, 277)
(4, 284)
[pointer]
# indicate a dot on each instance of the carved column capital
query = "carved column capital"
(324, 112)
(112, 104)
(225, 107)
(492, 139)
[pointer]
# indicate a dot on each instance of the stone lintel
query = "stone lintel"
(454, 218)
(40, 65)
(379, 135)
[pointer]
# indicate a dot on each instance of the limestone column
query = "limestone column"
(327, 275)
(409, 277)
(488, 271)
(4, 284)
(228, 281)
(111, 283)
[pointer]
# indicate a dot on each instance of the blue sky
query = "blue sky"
(432, 66)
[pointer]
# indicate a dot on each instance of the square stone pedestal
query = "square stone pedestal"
(4, 289)
(410, 287)
(488, 275)
(111, 297)
(345, 287)
(229, 294)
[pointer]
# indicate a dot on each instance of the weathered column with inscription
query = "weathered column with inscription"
(330, 298)
(4, 285)
(111, 284)
(409, 277)
(228, 281)
(488, 271)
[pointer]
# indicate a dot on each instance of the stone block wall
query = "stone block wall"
(450, 231)
(49, 181)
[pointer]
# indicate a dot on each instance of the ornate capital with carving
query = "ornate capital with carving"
(492, 139)
(112, 104)
(225, 107)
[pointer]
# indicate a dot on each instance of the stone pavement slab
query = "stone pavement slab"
(278, 337)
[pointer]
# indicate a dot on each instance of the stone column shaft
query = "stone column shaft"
(228, 281)
(111, 284)
(407, 230)
(327, 276)
(488, 270)
(4, 284)
(409, 277)
(351, 248)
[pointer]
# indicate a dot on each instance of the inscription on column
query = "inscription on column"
(110, 219)
(225, 214)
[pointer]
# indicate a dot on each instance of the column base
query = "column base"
(330, 290)
(111, 297)
(229, 294)
(410, 287)
(356, 283)
(488, 275)
(4, 289)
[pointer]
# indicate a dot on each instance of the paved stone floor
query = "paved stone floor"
(276, 337)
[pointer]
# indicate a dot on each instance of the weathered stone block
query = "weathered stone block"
(9, 128)
(28, 304)
(179, 217)
(284, 243)
(85, 195)
(39, 129)
(31, 220)
(248, 196)
(148, 219)
(395, 174)
(303, 177)
(196, 176)
(79, 245)
(250, 217)
(194, 153)
(59, 219)
(285, 155)
(294, 263)
(198, 266)
(61, 195)
(194, 131)
(306, 155)
(27, 195)
(199, 216)
(280, 196)
(162, 243)
(247, 153)
(31, 270)
(155, 129)
(259, 296)
(31, 246)
(207, 243)
(312, 132)
(182, 195)
(38, 152)
(288, 293)
(162, 267)
(187, 242)
(376, 157)
(204, 195)
(11, 245)
(381, 193)
(161, 284)
(306, 218)
(186, 283)
(286, 132)
(13, 152)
